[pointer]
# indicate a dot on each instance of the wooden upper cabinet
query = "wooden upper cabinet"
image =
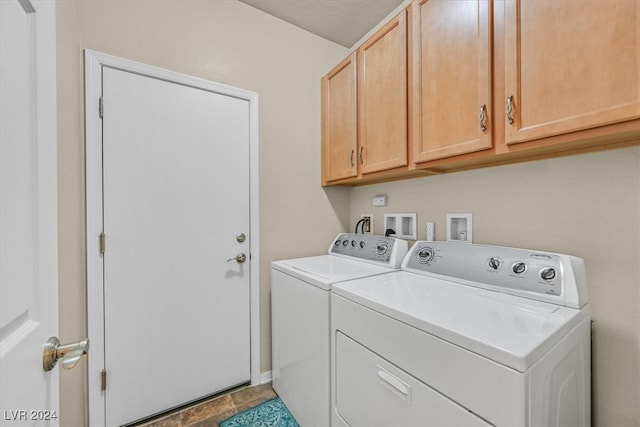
(569, 65)
(452, 84)
(339, 122)
(382, 98)
(451, 78)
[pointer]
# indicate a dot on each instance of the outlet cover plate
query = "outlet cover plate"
(380, 201)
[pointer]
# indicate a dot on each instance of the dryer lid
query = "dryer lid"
(508, 329)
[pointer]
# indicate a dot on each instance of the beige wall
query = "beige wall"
(228, 42)
(586, 205)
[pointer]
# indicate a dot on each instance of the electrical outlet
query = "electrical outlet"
(431, 231)
(380, 201)
(366, 226)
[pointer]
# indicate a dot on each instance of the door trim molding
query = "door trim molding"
(94, 62)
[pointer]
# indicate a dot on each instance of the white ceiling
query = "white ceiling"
(341, 21)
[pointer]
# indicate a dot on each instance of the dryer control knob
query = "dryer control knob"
(548, 273)
(425, 255)
(494, 263)
(519, 267)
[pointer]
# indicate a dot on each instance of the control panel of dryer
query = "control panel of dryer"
(544, 276)
(388, 251)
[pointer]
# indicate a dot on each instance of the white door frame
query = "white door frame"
(94, 62)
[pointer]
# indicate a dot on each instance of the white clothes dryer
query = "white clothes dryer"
(300, 314)
(464, 335)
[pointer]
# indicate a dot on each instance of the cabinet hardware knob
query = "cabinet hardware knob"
(481, 118)
(509, 109)
(351, 157)
(360, 156)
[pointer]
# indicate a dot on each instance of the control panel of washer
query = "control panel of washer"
(382, 250)
(512, 270)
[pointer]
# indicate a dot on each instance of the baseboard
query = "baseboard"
(265, 377)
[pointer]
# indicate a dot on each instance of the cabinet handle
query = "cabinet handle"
(351, 157)
(481, 118)
(509, 109)
(360, 155)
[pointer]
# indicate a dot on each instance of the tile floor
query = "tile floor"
(211, 412)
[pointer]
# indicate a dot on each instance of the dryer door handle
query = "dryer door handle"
(394, 384)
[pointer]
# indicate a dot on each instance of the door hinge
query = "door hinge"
(103, 380)
(101, 107)
(102, 242)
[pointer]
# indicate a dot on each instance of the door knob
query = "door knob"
(69, 353)
(240, 258)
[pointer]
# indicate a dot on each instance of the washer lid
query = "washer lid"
(324, 270)
(510, 330)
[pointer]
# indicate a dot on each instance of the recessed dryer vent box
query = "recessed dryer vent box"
(403, 224)
(459, 228)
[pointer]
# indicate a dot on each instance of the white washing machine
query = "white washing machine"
(300, 313)
(464, 335)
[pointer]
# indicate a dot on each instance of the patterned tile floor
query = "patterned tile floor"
(211, 412)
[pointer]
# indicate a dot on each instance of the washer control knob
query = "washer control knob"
(337, 242)
(494, 263)
(353, 243)
(548, 273)
(519, 267)
(382, 248)
(362, 244)
(345, 242)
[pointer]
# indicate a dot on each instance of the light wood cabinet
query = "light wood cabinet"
(451, 78)
(569, 66)
(489, 82)
(339, 122)
(382, 98)
(365, 111)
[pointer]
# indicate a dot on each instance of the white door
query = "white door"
(28, 212)
(176, 201)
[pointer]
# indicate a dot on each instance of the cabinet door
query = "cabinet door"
(451, 79)
(382, 98)
(339, 122)
(570, 65)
